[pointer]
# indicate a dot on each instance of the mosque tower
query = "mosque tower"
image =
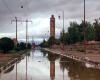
(52, 26)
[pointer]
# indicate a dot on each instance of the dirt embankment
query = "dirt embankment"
(91, 56)
(8, 57)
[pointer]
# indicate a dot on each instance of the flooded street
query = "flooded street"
(47, 66)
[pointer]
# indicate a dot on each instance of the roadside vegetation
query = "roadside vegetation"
(75, 34)
(10, 51)
(7, 45)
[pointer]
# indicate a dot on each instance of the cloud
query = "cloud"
(39, 11)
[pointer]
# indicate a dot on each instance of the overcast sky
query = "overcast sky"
(39, 11)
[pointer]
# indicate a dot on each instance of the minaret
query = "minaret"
(52, 26)
(52, 58)
(52, 70)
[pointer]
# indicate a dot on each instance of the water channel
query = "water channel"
(47, 66)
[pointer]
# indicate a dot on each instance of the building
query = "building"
(52, 26)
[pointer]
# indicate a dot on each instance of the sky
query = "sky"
(39, 12)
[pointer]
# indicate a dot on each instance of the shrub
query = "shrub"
(22, 46)
(6, 44)
(51, 41)
(29, 46)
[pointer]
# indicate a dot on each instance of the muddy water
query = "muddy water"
(40, 65)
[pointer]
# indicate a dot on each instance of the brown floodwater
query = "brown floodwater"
(40, 65)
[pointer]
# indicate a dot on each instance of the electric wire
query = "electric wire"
(8, 8)
(23, 5)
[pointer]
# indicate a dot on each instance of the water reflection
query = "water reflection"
(52, 57)
(44, 53)
(78, 70)
(40, 65)
(9, 69)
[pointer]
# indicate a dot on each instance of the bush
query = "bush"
(29, 46)
(6, 44)
(44, 44)
(17, 48)
(22, 46)
(51, 41)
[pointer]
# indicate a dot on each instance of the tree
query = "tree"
(97, 30)
(57, 41)
(44, 43)
(74, 32)
(22, 46)
(90, 33)
(67, 37)
(63, 37)
(51, 41)
(29, 46)
(6, 44)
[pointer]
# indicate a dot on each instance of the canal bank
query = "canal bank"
(90, 58)
(42, 65)
(6, 60)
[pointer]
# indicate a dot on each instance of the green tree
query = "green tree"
(97, 30)
(6, 44)
(22, 45)
(63, 37)
(67, 37)
(57, 41)
(51, 41)
(90, 33)
(44, 43)
(29, 46)
(74, 32)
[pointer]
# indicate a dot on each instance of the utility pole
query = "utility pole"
(84, 30)
(27, 21)
(26, 32)
(16, 21)
(32, 39)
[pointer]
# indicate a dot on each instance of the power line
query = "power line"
(21, 6)
(26, 8)
(10, 11)
(24, 5)
(19, 3)
(26, 21)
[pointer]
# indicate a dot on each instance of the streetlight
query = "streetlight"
(62, 30)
